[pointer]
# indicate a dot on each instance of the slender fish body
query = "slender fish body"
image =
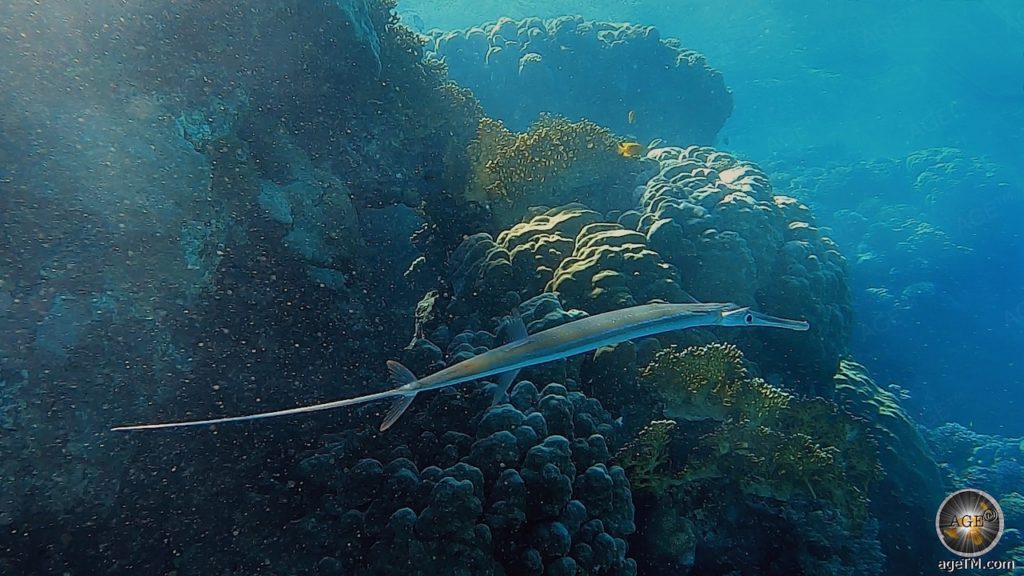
(563, 341)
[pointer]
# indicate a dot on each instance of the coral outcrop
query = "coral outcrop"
(708, 226)
(555, 161)
(523, 488)
(718, 220)
(912, 479)
(586, 69)
(736, 442)
(182, 199)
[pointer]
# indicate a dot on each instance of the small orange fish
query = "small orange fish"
(630, 149)
(631, 117)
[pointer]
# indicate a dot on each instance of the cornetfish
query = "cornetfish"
(524, 350)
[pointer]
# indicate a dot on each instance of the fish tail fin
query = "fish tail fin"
(398, 407)
(500, 393)
(401, 377)
(259, 416)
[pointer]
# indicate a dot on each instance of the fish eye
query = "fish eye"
(749, 318)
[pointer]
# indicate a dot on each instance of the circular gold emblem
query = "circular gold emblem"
(969, 523)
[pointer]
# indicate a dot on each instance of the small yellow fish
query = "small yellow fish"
(630, 149)
(631, 117)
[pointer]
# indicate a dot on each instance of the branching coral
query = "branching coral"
(554, 162)
(645, 459)
(766, 442)
(697, 382)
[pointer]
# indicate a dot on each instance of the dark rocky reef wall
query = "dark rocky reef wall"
(184, 196)
(602, 71)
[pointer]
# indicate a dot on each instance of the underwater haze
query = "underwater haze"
(511, 288)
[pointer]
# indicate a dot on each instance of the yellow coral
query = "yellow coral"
(766, 442)
(554, 162)
(645, 458)
(697, 382)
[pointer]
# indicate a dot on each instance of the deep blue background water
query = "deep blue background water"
(828, 88)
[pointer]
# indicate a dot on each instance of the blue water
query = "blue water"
(216, 209)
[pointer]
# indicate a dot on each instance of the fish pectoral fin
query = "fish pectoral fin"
(505, 380)
(398, 407)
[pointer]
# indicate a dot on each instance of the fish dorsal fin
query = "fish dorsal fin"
(398, 407)
(689, 299)
(400, 375)
(516, 328)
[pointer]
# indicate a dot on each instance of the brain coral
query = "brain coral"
(556, 66)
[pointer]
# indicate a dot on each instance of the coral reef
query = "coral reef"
(769, 442)
(708, 226)
(987, 462)
(737, 444)
(522, 488)
(193, 236)
(555, 161)
(972, 460)
(718, 221)
(585, 69)
(912, 479)
(914, 229)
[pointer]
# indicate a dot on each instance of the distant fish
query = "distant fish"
(630, 149)
(631, 117)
